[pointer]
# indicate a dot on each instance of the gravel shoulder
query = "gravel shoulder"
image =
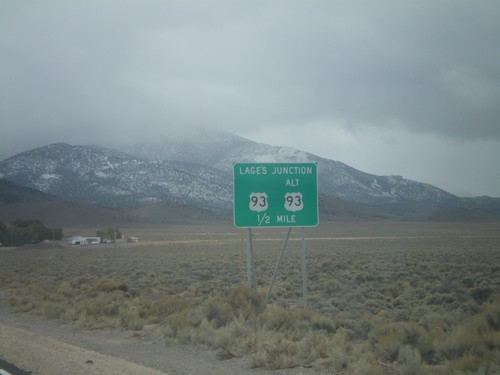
(46, 347)
(39, 354)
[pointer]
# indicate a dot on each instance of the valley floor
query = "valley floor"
(383, 298)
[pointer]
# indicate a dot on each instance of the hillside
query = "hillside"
(111, 178)
(17, 202)
(194, 172)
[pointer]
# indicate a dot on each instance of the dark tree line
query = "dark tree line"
(110, 234)
(28, 231)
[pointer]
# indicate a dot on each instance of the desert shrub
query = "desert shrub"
(109, 285)
(217, 311)
(129, 319)
(194, 290)
(470, 364)
(314, 346)
(388, 339)
(458, 343)
(104, 305)
(275, 352)
(70, 314)
(440, 299)
(278, 338)
(270, 349)
(18, 302)
(320, 322)
(276, 318)
(358, 328)
(366, 364)
(387, 346)
(234, 339)
(245, 301)
(166, 306)
(179, 327)
(205, 333)
(434, 322)
(492, 316)
(52, 310)
(471, 345)
(66, 289)
(337, 360)
(409, 360)
(158, 310)
(481, 294)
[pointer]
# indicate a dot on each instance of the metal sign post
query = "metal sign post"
(304, 264)
(250, 262)
(275, 195)
(277, 265)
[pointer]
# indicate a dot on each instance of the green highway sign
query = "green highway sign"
(275, 195)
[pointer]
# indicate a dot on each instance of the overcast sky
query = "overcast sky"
(389, 87)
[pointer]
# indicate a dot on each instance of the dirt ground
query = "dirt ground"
(45, 347)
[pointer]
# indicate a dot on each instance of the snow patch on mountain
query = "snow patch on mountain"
(48, 176)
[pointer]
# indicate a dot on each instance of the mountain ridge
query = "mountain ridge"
(196, 171)
(334, 177)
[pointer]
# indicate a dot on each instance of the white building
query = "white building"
(79, 240)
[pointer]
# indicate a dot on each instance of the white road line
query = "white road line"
(3, 372)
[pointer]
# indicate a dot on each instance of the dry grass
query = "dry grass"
(397, 298)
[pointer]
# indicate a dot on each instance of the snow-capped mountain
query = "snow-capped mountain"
(196, 170)
(111, 178)
(221, 150)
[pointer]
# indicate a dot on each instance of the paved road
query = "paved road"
(9, 369)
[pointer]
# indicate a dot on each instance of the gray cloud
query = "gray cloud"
(125, 69)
